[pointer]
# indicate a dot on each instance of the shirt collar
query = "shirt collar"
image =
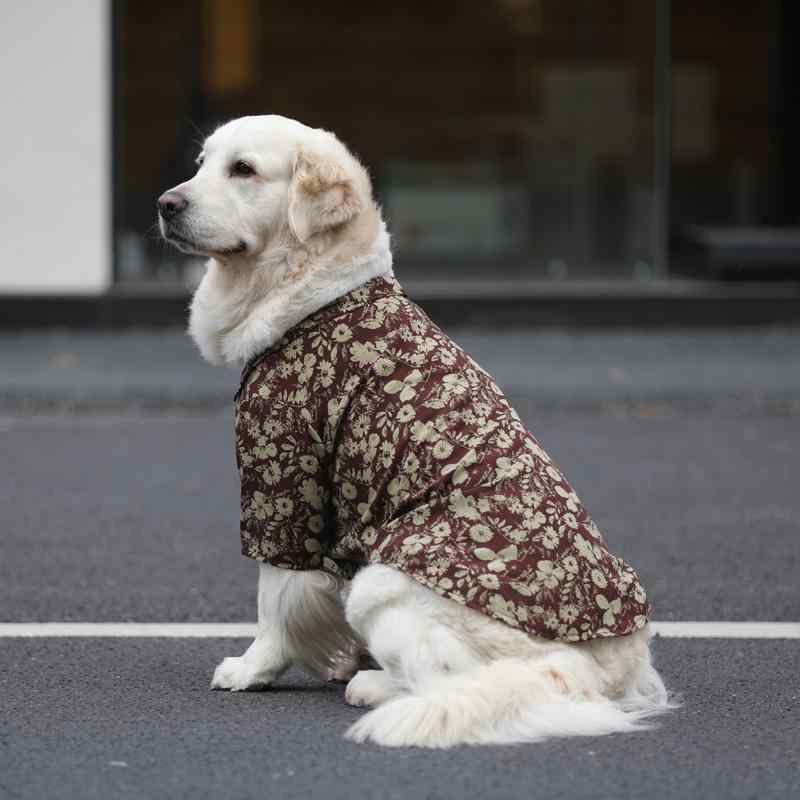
(366, 294)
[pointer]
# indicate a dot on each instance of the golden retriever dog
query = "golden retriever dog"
(393, 499)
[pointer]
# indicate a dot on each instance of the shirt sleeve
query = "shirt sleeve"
(284, 494)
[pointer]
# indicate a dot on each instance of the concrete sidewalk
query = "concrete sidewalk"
(588, 370)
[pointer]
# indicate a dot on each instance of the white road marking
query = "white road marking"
(244, 630)
(727, 630)
(163, 630)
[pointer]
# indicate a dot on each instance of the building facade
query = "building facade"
(522, 139)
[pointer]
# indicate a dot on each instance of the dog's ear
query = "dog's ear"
(322, 194)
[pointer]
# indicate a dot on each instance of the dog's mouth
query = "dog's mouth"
(183, 244)
(241, 247)
(186, 245)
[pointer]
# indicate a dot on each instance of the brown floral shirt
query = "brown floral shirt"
(368, 436)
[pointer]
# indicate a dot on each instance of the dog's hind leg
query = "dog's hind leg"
(408, 632)
(462, 677)
(300, 621)
(371, 687)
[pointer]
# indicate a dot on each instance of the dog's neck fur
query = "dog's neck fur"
(239, 311)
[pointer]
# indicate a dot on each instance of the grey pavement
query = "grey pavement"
(135, 518)
(135, 719)
(56, 370)
(683, 445)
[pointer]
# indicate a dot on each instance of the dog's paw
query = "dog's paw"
(370, 687)
(343, 669)
(236, 675)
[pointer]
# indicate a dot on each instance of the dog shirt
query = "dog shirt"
(366, 435)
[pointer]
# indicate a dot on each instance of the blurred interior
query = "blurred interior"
(513, 137)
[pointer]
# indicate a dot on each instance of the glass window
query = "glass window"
(512, 137)
(734, 136)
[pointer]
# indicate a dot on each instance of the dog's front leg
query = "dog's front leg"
(270, 653)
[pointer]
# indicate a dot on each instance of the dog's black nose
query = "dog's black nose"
(171, 203)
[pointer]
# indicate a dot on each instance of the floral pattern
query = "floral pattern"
(366, 435)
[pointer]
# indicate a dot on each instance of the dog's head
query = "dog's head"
(262, 180)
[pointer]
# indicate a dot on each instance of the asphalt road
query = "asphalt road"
(135, 719)
(577, 370)
(132, 516)
(109, 518)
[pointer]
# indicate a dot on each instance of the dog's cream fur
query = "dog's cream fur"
(282, 243)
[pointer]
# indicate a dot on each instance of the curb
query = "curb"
(602, 304)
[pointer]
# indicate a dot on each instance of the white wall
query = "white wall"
(55, 139)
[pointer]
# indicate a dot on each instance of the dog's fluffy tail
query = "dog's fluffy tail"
(510, 701)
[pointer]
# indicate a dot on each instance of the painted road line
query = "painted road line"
(237, 630)
(727, 630)
(163, 630)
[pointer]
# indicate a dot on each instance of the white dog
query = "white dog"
(286, 216)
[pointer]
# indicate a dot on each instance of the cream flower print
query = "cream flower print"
(272, 428)
(370, 536)
(326, 373)
(550, 537)
(599, 579)
(404, 388)
(453, 383)
(570, 564)
(534, 520)
(315, 523)
(548, 574)
(569, 518)
(387, 453)
(423, 432)
(367, 436)
(360, 427)
(311, 493)
(481, 533)
(570, 498)
(265, 451)
(501, 608)
(341, 334)
(384, 366)
(260, 506)
(398, 486)
(271, 473)
(497, 561)
(284, 506)
(611, 609)
(309, 463)
(585, 549)
(406, 413)
(569, 613)
(294, 350)
(414, 543)
(411, 463)
(364, 510)
(464, 507)
(442, 449)
(489, 581)
(507, 468)
(363, 353)
(420, 515)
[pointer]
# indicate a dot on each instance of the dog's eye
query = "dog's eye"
(199, 161)
(241, 169)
